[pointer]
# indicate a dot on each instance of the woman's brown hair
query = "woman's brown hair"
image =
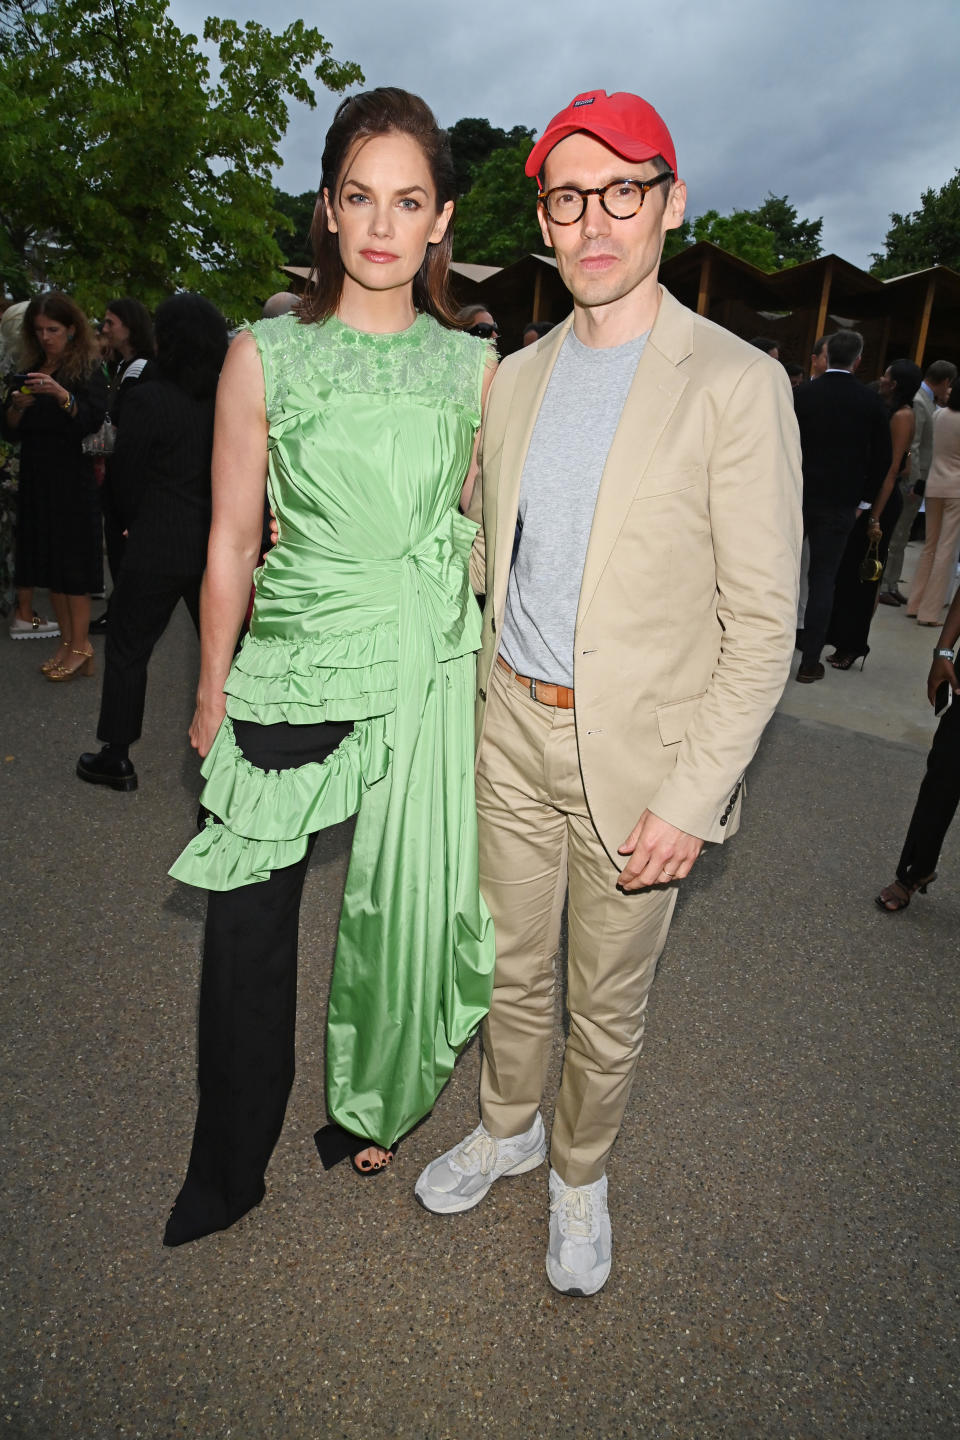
(361, 117)
(81, 356)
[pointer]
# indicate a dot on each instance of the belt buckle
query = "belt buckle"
(533, 689)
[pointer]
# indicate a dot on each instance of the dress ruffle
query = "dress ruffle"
(348, 676)
(269, 815)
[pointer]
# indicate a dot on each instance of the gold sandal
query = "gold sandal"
(54, 663)
(60, 672)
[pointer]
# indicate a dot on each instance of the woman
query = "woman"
(354, 688)
(855, 600)
(62, 398)
(128, 330)
(940, 791)
(161, 480)
(477, 320)
(930, 590)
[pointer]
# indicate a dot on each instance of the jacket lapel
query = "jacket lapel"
(522, 416)
(651, 400)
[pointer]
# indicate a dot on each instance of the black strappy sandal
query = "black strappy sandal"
(897, 896)
(335, 1144)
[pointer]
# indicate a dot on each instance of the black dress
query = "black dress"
(854, 602)
(58, 507)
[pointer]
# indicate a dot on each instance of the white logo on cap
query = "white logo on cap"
(578, 103)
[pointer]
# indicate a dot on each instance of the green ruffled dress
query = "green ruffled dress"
(363, 612)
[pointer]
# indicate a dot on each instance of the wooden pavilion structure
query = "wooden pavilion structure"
(914, 316)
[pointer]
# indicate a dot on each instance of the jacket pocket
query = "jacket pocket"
(673, 719)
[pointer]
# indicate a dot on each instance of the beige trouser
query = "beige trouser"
(536, 839)
(932, 586)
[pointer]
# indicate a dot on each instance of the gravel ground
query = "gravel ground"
(783, 1193)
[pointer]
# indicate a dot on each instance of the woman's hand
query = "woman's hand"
(207, 719)
(41, 384)
(941, 669)
(17, 402)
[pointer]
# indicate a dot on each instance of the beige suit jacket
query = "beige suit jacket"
(687, 612)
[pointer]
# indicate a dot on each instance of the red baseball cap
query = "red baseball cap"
(623, 121)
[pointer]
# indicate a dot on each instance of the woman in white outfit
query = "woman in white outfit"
(933, 582)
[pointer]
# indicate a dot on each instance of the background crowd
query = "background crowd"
(107, 433)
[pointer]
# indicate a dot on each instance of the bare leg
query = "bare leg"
(61, 609)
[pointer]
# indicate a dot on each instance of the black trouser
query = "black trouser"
(827, 529)
(854, 602)
(113, 528)
(936, 803)
(140, 609)
(248, 1006)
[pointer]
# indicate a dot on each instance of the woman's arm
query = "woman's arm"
(901, 438)
(466, 494)
(239, 474)
(943, 668)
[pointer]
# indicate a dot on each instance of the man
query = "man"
(642, 466)
(934, 390)
(818, 357)
(845, 439)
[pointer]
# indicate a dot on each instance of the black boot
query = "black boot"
(111, 766)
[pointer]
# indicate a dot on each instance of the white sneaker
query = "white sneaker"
(36, 629)
(578, 1259)
(459, 1179)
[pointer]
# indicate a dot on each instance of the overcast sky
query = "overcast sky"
(849, 107)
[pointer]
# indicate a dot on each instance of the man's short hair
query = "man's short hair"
(764, 343)
(818, 344)
(939, 371)
(280, 304)
(843, 348)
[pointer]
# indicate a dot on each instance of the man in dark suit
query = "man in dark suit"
(845, 440)
(162, 488)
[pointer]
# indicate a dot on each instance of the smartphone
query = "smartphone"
(942, 698)
(19, 379)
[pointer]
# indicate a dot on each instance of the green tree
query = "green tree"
(496, 221)
(795, 241)
(473, 140)
(128, 167)
(739, 234)
(928, 236)
(293, 233)
(770, 237)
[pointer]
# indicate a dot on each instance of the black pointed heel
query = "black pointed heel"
(199, 1210)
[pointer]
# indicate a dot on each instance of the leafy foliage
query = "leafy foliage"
(770, 237)
(795, 241)
(128, 167)
(928, 236)
(473, 141)
(293, 233)
(496, 221)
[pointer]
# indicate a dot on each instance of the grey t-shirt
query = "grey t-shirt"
(558, 494)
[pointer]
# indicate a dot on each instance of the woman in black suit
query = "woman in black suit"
(161, 475)
(855, 600)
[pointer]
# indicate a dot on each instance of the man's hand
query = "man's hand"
(274, 530)
(659, 853)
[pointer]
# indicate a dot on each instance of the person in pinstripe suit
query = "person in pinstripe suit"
(161, 475)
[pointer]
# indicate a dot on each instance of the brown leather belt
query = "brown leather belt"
(560, 696)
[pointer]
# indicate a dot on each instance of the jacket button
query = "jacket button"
(483, 694)
(723, 819)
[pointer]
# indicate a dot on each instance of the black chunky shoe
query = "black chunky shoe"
(103, 768)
